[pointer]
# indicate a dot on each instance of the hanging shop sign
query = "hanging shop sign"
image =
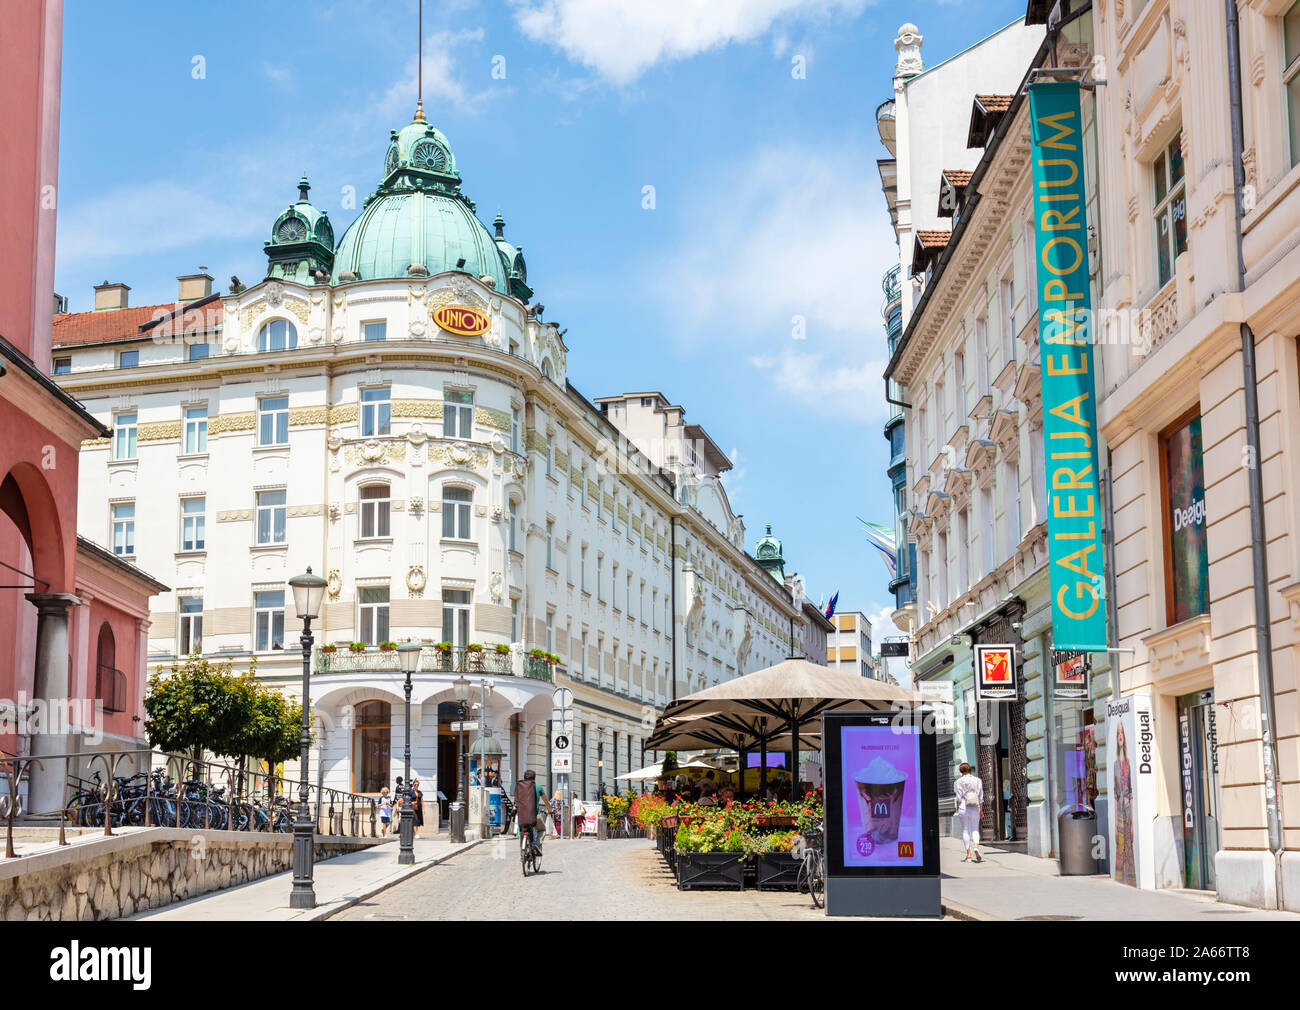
(461, 319)
(1131, 786)
(1074, 514)
(1072, 671)
(995, 672)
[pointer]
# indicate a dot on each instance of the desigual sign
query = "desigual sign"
(461, 319)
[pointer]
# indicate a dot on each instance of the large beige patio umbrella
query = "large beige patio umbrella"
(779, 708)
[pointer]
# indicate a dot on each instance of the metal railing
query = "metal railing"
(150, 788)
(432, 660)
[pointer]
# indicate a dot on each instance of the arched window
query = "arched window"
(110, 682)
(277, 335)
(546, 368)
(371, 741)
(375, 505)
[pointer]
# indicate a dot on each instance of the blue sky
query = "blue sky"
(185, 128)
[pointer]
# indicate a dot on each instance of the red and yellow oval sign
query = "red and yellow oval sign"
(462, 319)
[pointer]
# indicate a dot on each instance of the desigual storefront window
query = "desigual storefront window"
(1187, 563)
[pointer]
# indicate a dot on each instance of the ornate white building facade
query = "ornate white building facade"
(392, 412)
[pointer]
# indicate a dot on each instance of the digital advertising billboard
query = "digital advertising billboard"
(881, 811)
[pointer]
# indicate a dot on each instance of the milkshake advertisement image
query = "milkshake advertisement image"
(882, 798)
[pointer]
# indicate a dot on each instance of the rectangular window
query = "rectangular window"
(550, 545)
(457, 414)
(128, 359)
(513, 528)
(600, 659)
(613, 588)
(375, 412)
(514, 618)
(582, 571)
(1291, 76)
(1007, 311)
(374, 614)
(582, 656)
(1170, 209)
(959, 388)
(456, 503)
(268, 621)
(455, 617)
(550, 631)
(271, 513)
(1187, 563)
(654, 609)
(196, 430)
(124, 433)
(515, 445)
(197, 352)
(192, 523)
(191, 622)
(124, 528)
(375, 511)
(374, 331)
(62, 366)
(273, 420)
(600, 580)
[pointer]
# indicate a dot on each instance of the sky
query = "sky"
(693, 183)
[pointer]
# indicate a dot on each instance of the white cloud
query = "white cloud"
(442, 85)
(156, 217)
(783, 255)
(620, 40)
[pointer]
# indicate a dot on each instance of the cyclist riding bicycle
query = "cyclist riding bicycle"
(529, 797)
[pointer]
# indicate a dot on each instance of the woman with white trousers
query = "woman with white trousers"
(970, 799)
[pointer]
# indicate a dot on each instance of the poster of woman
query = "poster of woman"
(1130, 788)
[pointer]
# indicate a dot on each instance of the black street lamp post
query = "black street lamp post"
(461, 687)
(308, 592)
(409, 654)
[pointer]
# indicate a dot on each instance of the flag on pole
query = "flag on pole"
(882, 539)
(830, 607)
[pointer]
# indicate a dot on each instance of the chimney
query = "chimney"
(110, 296)
(60, 303)
(192, 287)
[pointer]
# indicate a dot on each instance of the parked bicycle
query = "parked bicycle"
(812, 877)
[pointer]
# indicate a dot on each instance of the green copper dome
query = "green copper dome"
(301, 246)
(419, 218)
(768, 554)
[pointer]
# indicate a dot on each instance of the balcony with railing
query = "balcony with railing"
(486, 661)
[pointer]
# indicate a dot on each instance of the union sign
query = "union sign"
(461, 319)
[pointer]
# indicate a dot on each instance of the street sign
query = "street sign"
(561, 750)
(562, 698)
(458, 727)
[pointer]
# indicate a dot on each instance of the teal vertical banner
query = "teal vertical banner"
(1074, 499)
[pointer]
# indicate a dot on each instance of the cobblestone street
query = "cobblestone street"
(582, 879)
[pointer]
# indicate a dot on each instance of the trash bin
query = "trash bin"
(1077, 831)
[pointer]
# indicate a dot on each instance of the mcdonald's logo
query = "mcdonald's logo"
(906, 850)
(880, 808)
(462, 320)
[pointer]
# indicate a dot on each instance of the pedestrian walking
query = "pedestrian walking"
(417, 804)
(970, 799)
(385, 809)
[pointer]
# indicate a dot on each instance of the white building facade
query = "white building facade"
(394, 414)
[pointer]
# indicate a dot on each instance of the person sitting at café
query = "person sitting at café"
(708, 796)
(727, 795)
(684, 794)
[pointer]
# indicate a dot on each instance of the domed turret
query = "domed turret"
(419, 221)
(301, 247)
(514, 258)
(769, 557)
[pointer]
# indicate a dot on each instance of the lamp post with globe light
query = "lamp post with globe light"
(308, 593)
(409, 655)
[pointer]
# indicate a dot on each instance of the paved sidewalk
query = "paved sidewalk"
(341, 882)
(1012, 885)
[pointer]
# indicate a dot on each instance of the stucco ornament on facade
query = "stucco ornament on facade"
(334, 583)
(415, 581)
(908, 46)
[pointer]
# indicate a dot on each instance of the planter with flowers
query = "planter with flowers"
(443, 649)
(474, 656)
(776, 865)
(387, 646)
(329, 649)
(501, 650)
(355, 647)
(710, 853)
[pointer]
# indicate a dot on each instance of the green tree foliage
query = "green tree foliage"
(206, 706)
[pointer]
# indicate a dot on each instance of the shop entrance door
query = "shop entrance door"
(1199, 779)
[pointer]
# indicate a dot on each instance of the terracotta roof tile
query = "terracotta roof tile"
(134, 323)
(995, 103)
(933, 238)
(957, 177)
